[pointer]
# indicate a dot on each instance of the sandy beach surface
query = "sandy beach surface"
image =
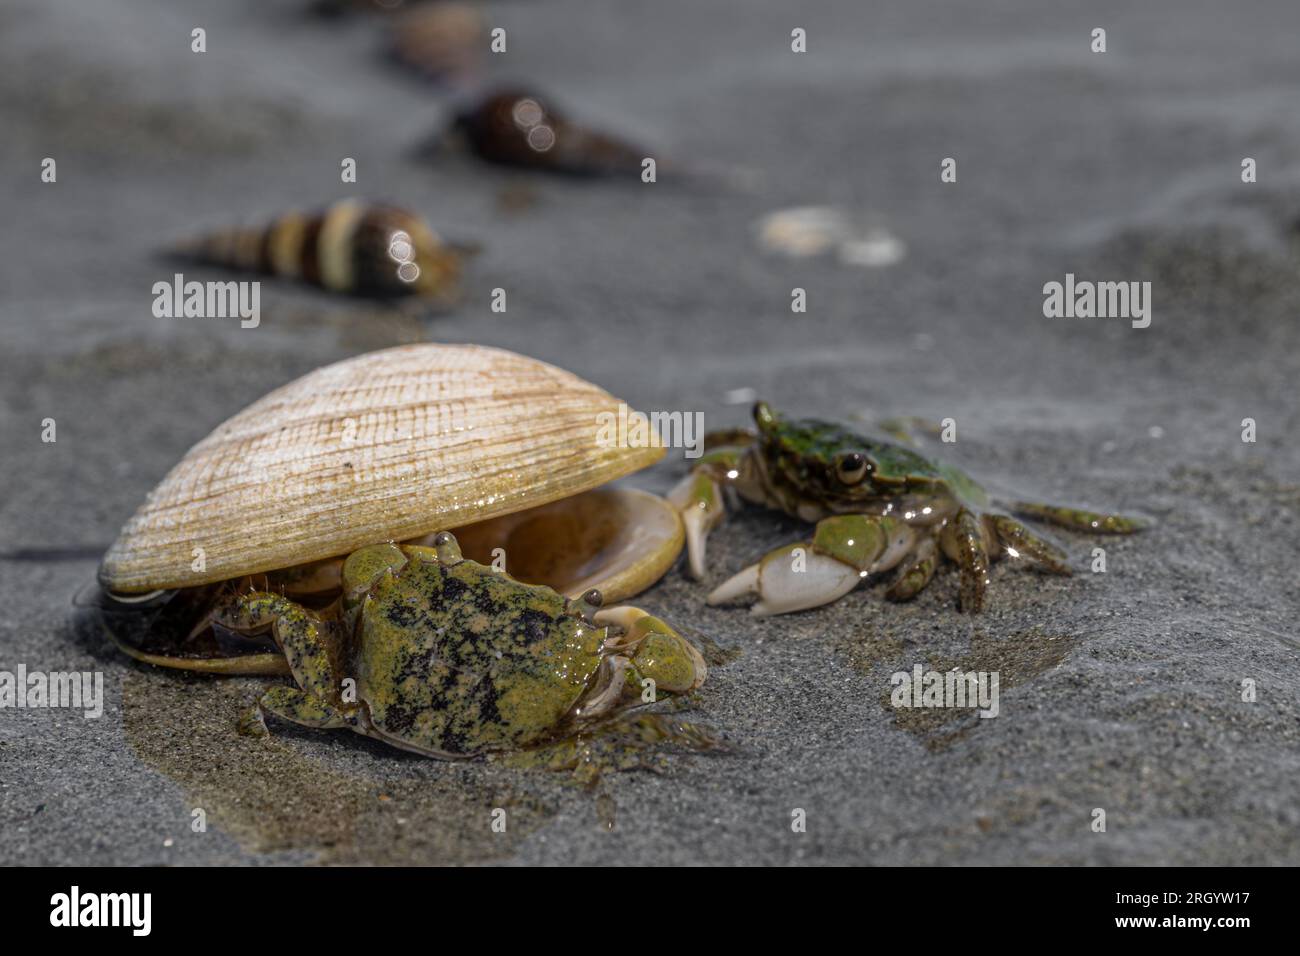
(1120, 691)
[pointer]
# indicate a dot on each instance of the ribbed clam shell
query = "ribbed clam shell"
(384, 446)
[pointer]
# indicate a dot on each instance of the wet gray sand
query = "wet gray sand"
(1121, 691)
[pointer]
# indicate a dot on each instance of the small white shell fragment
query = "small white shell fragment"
(876, 249)
(802, 231)
(806, 231)
(740, 396)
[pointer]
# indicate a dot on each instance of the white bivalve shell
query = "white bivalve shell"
(390, 445)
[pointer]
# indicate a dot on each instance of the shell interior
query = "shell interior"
(618, 540)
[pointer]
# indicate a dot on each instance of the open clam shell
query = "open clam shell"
(394, 445)
(617, 540)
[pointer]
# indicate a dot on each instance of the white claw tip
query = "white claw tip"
(738, 585)
(695, 544)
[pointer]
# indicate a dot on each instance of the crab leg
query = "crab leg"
(298, 632)
(300, 635)
(962, 539)
(844, 550)
(699, 500)
(1020, 542)
(293, 705)
(1079, 519)
(918, 571)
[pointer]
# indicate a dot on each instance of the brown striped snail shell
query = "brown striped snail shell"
(393, 445)
(351, 247)
(514, 127)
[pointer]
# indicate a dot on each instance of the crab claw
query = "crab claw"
(699, 499)
(608, 690)
(655, 650)
(791, 578)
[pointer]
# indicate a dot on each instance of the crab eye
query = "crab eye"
(851, 468)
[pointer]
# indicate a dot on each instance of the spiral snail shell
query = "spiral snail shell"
(351, 247)
(514, 127)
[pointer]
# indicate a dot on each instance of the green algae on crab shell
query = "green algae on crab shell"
(463, 659)
(451, 658)
(805, 452)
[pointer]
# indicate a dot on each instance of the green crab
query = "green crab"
(878, 505)
(435, 653)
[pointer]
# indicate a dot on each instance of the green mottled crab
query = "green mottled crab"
(878, 505)
(435, 653)
(267, 550)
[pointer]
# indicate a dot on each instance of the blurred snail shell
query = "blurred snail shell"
(514, 127)
(342, 8)
(394, 445)
(440, 41)
(351, 247)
